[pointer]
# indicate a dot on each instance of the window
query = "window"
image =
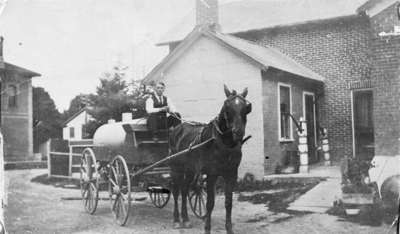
(285, 106)
(12, 96)
(71, 132)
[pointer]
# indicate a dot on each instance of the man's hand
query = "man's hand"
(165, 108)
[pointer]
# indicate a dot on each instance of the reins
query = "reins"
(214, 122)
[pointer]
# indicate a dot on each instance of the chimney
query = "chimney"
(207, 14)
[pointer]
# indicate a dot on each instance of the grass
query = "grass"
(285, 194)
(57, 182)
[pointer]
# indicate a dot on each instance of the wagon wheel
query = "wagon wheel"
(119, 188)
(198, 198)
(159, 196)
(89, 181)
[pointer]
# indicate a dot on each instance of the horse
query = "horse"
(219, 157)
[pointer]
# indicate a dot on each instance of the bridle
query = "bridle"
(228, 128)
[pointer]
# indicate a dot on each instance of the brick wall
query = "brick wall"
(274, 149)
(385, 20)
(386, 80)
(338, 49)
(17, 121)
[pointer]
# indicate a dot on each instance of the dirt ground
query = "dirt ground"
(38, 208)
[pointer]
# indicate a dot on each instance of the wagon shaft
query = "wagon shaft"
(169, 158)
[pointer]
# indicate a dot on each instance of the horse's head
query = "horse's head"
(233, 115)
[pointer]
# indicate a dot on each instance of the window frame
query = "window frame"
(281, 139)
(9, 87)
(71, 130)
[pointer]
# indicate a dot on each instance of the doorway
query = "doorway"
(363, 125)
(309, 115)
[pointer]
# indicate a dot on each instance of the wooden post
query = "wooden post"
(303, 147)
(70, 161)
(49, 158)
(325, 148)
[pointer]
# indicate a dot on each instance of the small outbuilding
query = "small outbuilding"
(74, 127)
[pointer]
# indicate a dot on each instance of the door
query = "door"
(363, 125)
(309, 115)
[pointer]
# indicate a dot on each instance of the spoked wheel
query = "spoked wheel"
(89, 181)
(159, 196)
(119, 188)
(198, 198)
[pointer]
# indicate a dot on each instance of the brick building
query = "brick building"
(16, 110)
(327, 61)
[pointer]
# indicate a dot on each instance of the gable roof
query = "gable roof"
(261, 56)
(20, 70)
(248, 15)
(75, 115)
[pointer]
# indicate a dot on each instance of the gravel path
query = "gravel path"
(37, 208)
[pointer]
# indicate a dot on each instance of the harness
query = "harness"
(230, 98)
(215, 122)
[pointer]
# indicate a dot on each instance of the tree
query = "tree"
(46, 118)
(112, 97)
(77, 103)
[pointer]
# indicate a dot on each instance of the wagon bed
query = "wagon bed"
(131, 158)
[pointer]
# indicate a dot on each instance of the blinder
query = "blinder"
(248, 107)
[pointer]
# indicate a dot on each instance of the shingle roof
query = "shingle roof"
(75, 115)
(262, 56)
(257, 14)
(269, 57)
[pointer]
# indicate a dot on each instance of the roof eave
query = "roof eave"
(74, 116)
(21, 70)
(259, 64)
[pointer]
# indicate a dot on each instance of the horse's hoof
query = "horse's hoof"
(187, 224)
(177, 225)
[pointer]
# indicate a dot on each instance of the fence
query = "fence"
(64, 157)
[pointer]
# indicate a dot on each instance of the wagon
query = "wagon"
(125, 159)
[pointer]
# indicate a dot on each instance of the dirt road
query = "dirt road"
(37, 208)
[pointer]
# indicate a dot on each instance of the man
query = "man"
(157, 106)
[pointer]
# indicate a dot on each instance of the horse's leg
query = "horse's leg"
(230, 182)
(176, 182)
(211, 179)
(185, 190)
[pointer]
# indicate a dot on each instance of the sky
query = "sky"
(71, 43)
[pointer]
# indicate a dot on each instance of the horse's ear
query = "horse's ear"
(245, 92)
(227, 92)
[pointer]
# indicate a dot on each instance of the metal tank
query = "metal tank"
(131, 140)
